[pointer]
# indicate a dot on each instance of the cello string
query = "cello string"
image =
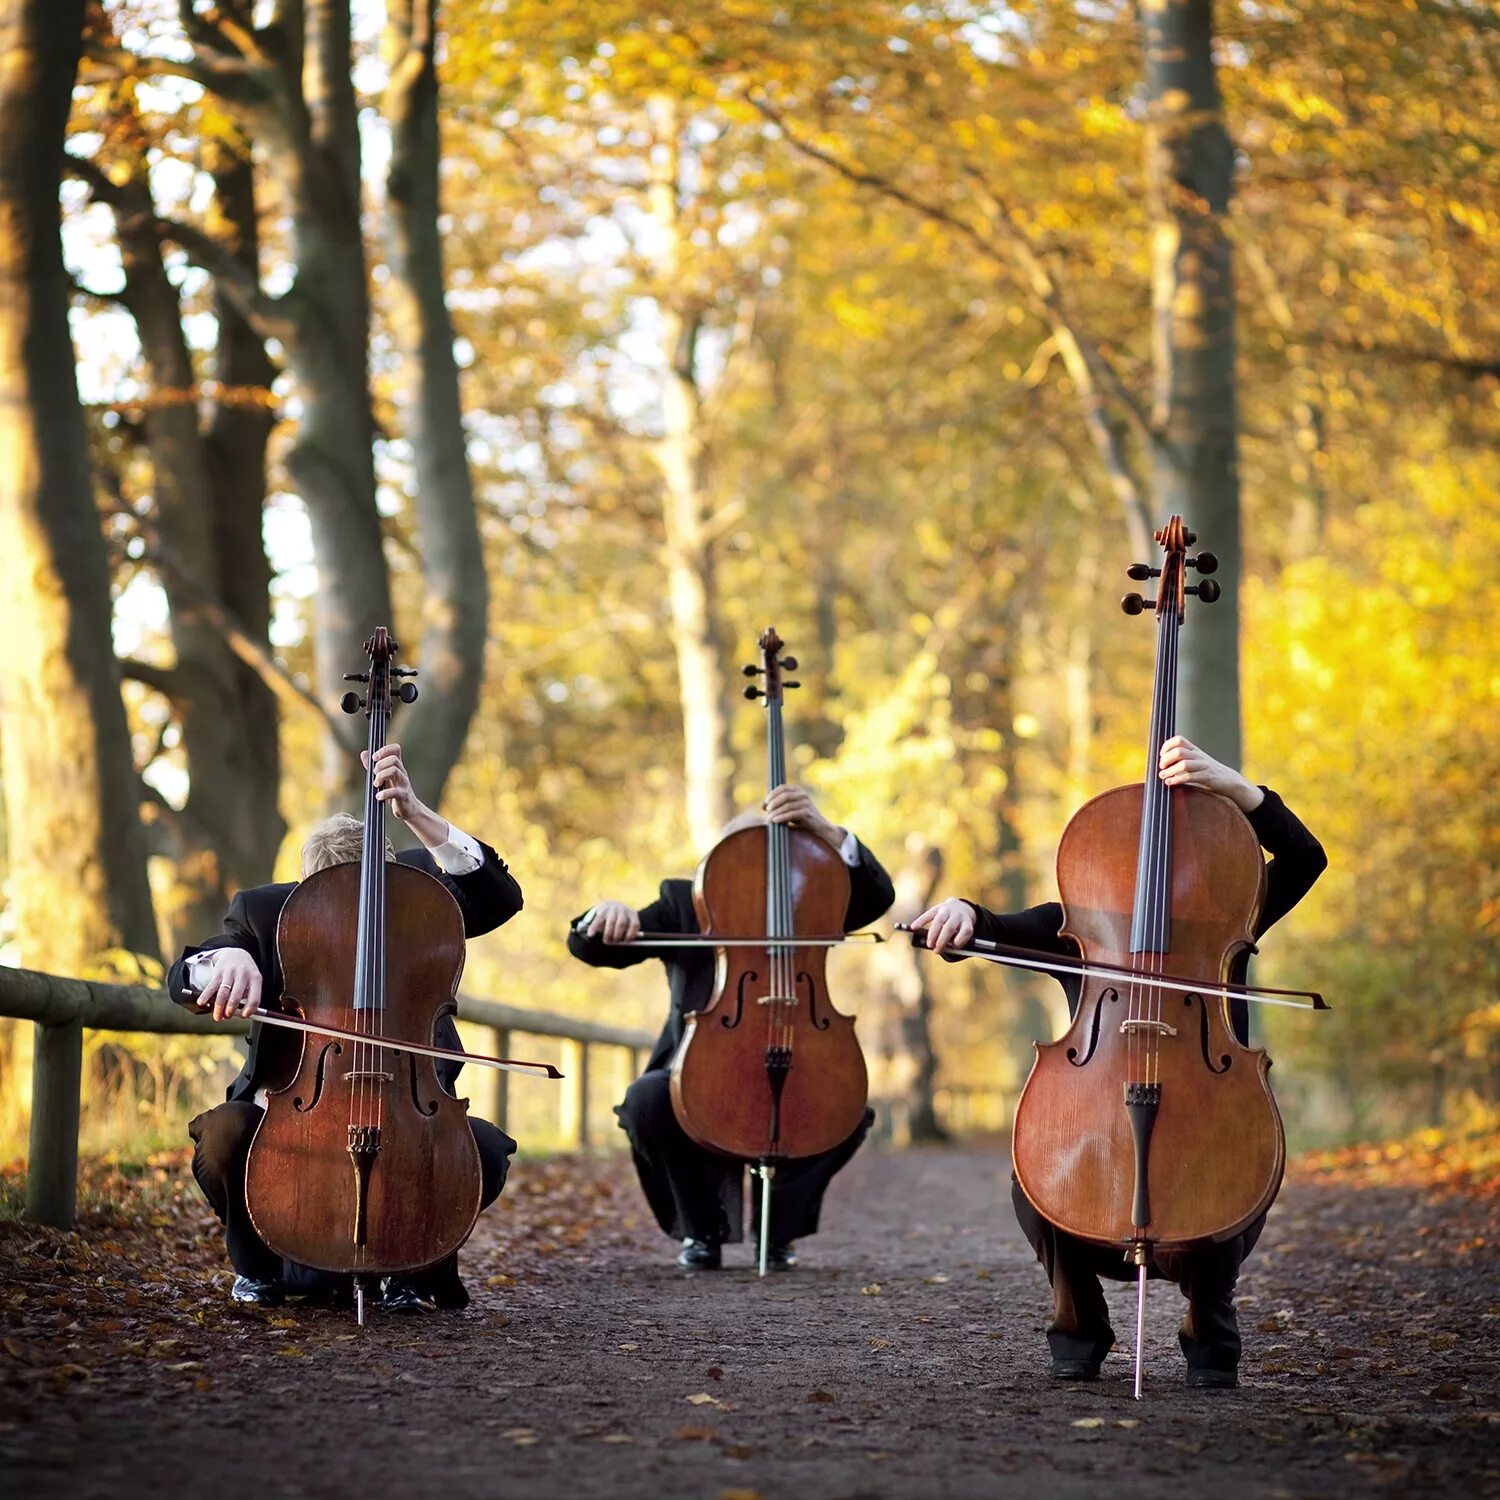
(1162, 915)
(1135, 1052)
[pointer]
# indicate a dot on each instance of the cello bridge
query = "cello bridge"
(777, 1000)
(368, 1075)
(1137, 1024)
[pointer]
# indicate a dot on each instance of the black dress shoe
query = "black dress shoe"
(448, 1292)
(257, 1293)
(780, 1258)
(1074, 1369)
(1202, 1378)
(700, 1255)
(397, 1295)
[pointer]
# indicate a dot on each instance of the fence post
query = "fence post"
(575, 1096)
(501, 1116)
(625, 1069)
(52, 1171)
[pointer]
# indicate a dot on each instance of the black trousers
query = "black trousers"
(221, 1143)
(1206, 1275)
(698, 1194)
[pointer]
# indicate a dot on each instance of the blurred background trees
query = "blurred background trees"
(837, 316)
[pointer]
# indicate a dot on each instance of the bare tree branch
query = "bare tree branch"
(1087, 367)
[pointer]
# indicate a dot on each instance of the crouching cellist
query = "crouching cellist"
(1146, 1141)
(753, 1065)
(341, 1158)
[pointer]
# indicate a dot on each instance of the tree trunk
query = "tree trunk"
(1190, 171)
(76, 850)
(455, 592)
(223, 836)
(907, 1054)
(239, 427)
(302, 113)
(702, 682)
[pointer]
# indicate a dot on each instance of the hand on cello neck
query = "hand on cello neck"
(1182, 763)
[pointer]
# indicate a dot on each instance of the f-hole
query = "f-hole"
(1072, 1053)
(748, 977)
(422, 1109)
(1226, 1059)
(803, 977)
(312, 1104)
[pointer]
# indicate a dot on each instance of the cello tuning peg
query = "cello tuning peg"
(1208, 591)
(791, 684)
(356, 676)
(1142, 571)
(351, 703)
(407, 692)
(404, 671)
(1190, 537)
(750, 669)
(1133, 604)
(1206, 562)
(789, 662)
(752, 692)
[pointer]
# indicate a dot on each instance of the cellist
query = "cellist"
(237, 972)
(1080, 1334)
(697, 1194)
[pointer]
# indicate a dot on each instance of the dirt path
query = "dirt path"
(904, 1359)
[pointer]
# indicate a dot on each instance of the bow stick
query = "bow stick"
(394, 1044)
(1049, 963)
(708, 940)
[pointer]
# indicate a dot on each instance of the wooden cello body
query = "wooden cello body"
(364, 1163)
(768, 1070)
(1149, 1122)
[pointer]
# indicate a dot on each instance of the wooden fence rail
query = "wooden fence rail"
(62, 1008)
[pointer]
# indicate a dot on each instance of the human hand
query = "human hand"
(949, 924)
(234, 987)
(1182, 763)
(392, 784)
(614, 922)
(794, 804)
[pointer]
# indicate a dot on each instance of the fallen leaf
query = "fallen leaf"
(821, 1397)
(873, 1290)
(617, 1437)
(1089, 1422)
(1127, 1422)
(694, 1434)
(938, 1280)
(702, 1398)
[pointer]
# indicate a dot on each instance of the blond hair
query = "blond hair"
(339, 840)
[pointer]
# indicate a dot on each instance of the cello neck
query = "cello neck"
(369, 956)
(778, 847)
(1151, 915)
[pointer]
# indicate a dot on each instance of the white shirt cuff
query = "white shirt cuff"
(199, 966)
(459, 855)
(849, 850)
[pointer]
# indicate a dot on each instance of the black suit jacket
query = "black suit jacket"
(1297, 859)
(487, 897)
(690, 971)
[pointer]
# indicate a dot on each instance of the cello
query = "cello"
(768, 1070)
(1149, 1125)
(364, 1163)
